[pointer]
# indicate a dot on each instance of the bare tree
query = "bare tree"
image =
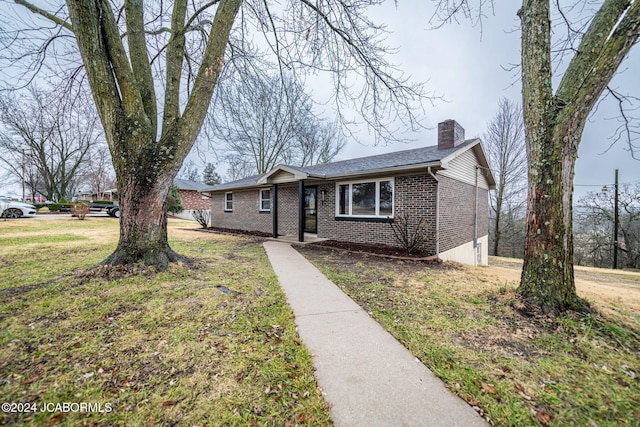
(99, 172)
(554, 123)
(239, 167)
(153, 71)
(317, 141)
(189, 171)
(592, 46)
(256, 118)
(47, 141)
(506, 151)
(595, 226)
(266, 120)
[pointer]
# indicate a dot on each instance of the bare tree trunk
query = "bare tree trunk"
(554, 125)
(547, 276)
(496, 231)
(123, 92)
(143, 225)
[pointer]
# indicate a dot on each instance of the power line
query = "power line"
(604, 185)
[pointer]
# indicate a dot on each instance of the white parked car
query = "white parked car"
(11, 209)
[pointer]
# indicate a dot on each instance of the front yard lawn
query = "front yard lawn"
(464, 324)
(146, 349)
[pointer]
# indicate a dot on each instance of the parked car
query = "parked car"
(11, 209)
(114, 211)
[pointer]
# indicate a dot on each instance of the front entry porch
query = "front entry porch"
(308, 238)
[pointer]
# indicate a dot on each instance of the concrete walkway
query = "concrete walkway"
(365, 373)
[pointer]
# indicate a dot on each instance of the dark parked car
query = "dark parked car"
(114, 211)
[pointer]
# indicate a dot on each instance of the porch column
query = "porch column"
(274, 209)
(301, 210)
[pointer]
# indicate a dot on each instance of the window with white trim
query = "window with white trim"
(228, 202)
(265, 200)
(371, 198)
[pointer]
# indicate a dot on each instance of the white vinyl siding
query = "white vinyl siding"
(463, 168)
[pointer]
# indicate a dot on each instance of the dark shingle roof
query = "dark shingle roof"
(414, 156)
(397, 159)
(185, 184)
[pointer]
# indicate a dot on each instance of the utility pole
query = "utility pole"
(616, 224)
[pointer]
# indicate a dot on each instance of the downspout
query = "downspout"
(274, 209)
(475, 221)
(301, 210)
(437, 212)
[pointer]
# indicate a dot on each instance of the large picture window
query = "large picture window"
(372, 198)
(265, 200)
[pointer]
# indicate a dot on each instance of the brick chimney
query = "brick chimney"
(450, 134)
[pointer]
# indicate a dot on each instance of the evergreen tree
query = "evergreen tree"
(209, 175)
(174, 203)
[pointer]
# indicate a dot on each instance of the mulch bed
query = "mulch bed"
(383, 251)
(236, 231)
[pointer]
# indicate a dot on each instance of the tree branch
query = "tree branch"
(45, 14)
(140, 64)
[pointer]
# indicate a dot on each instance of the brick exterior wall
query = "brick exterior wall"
(245, 214)
(457, 213)
(192, 200)
(414, 196)
(287, 210)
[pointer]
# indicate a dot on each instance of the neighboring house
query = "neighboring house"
(111, 194)
(353, 200)
(191, 194)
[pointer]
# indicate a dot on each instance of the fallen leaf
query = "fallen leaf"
(488, 388)
(521, 391)
(54, 419)
(471, 401)
(301, 417)
(542, 414)
(543, 418)
(169, 403)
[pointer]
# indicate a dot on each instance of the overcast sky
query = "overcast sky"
(468, 67)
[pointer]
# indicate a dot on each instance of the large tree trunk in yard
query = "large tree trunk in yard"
(143, 225)
(553, 129)
(547, 280)
(121, 81)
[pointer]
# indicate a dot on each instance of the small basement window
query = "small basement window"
(265, 200)
(228, 202)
